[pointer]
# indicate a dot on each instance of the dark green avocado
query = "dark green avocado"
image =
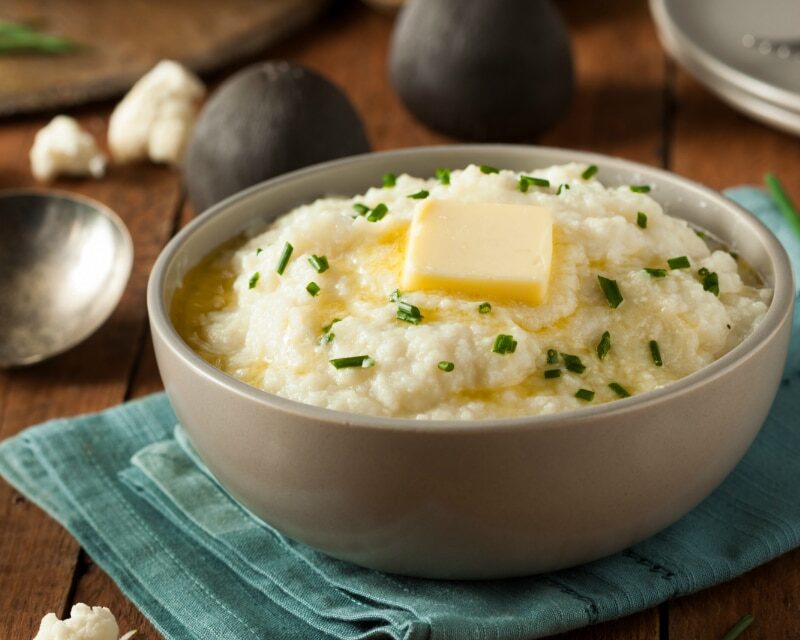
(486, 70)
(268, 119)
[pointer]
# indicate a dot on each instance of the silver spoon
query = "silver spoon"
(64, 263)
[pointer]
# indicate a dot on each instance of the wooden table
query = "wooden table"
(630, 102)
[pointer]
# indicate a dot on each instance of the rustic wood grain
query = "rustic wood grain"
(37, 557)
(721, 148)
(122, 40)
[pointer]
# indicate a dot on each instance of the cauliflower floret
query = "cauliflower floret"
(63, 147)
(84, 623)
(156, 116)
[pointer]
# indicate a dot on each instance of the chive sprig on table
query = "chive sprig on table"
(784, 203)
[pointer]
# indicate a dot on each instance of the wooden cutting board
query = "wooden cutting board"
(123, 39)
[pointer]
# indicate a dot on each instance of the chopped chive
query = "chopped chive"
(736, 630)
(284, 260)
(394, 296)
(640, 188)
(573, 363)
(589, 172)
(313, 288)
(681, 262)
(561, 187)
(419, 195)
(408, 313)
(656, 273)
(361, 209)
(254, 280)
(584, 394)
(443, 176)
(641, 219)
(784, 202)
(485, 168)
(504, 344)
(552, 356)
(377, 213)
(617, 388)
(484, 307)
(611, 291)
(389, 179)
(320, 263)
(549, 374)
(352, 361)
(733, 255)
(527, 181)
(710, 281)
(327, 327)
(259, 251)
(655, 353)
(604, 346)
(327, 338)
(444, 365)
(700, 234)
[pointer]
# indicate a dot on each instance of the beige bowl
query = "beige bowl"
(474, 499)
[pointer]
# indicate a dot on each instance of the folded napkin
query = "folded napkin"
(128, 486)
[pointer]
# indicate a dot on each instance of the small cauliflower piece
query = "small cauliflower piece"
(64, 148)
(155, 118)
(84, 623)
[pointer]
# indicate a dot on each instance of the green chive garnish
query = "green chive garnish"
(655, 353)
(394, 296)
(640, 188)
(408, 313)
(611, 291)
(443, 176)
(389, 179)
(784, 202)
(589, 172)
(710, 281)
(681, 262)
(419, 195)
(641, 219)
(284, 260)
(617, 388)
(573, 363)
(361, 209)
(444, 365)
(552, 356)
(656, 273)
(584, 394)
(320, 263)
(561, 188)
(377, 213)
(604, 346)
(700, 234)
(253, 280)
(313, 288)
(504, 344)
(328, 327)
(485, 168)
(549, 374)
(258, 251)
(527, 181)
(736, 630)
(733, 255)
(484, 307)
(327, 338)
(352, 361)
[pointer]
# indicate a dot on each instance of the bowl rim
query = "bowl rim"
(778, 312)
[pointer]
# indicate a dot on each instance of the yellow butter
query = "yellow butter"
(495, 251)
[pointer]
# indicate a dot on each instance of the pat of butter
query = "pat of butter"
(495, 251)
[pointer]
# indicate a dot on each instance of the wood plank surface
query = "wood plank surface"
(625, 104)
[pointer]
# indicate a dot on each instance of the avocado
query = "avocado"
(268, 119)
(498, 70)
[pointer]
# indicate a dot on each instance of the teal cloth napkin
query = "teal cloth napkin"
(128, 486)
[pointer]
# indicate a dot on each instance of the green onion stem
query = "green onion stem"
(784, 202)
(736, 630)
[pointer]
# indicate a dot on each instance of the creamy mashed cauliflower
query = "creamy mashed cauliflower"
(267, 329)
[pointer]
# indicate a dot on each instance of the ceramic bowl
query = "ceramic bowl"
(485, 498)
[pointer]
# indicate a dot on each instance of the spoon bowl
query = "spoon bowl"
(64, 263)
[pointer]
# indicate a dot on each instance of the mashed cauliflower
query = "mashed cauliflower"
(270, 331)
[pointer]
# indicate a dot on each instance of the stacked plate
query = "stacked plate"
(745, 51)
